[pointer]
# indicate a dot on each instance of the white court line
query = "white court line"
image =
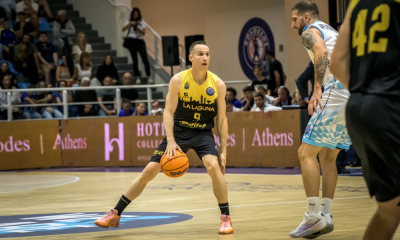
(262, 204)
(48, 186)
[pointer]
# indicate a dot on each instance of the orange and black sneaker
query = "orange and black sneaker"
(110, 219)
(226, 225)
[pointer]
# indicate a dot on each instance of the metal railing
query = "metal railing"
(65, 102)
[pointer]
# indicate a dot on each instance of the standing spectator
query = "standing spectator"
(140, 110)
(15, 99)
(63, 30)
(248, 101)
(9, 7)
(107, 69)
(260, 80)
(8, 40)
(231, 96)
(27, 61)
(66, 70)
(47, 56)
(5, 70)
(23, 27)
(283, 98)
(129, 93)
(84, 68)
(127, 109)
(30, 8)
(81, 46)
(275, 70)
(44, 9)
(47, 97)
(134, 43)
(31, 99)
(86, 96)
(104, 95)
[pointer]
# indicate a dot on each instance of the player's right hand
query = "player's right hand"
(170, 151)
(315, 102)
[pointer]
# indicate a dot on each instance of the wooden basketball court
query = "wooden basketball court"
(263, 206)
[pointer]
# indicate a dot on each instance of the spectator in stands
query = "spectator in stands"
(297, 100)
(261, 80)
(47, 97)
(58, 98)
(5, 70)
(135, 44)
(140, 110)
(30, 98)
(66, 70)
(261, 106)
(63, 30)
(104, 95)
(23, 27)
(127, 108)
(44, 10)
(30, 8)
(15, 98)
(8, 40)
(276, 72)
(268, 99)
(231, 96)
(86, 96)
(107, 69)
(9, 7)
(129, 93)
(27, 61)
(248, 101)
(283, 98)
(231, 108)
(84, 67)
(156, 109)
(81, 46)
(47, 55)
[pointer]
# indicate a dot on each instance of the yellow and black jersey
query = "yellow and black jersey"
(197, 104)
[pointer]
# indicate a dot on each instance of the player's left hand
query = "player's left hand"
(222, 163)
(315, 102)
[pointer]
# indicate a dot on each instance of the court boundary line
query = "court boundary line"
(50, 186)
(262, 204)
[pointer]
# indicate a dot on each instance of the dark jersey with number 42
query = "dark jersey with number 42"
(375, 47)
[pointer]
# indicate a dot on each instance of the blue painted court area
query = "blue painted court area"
(66, 223)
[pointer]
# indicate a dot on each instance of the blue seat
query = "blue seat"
(22, 85)
(44, 25)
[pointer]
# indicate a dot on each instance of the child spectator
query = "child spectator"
(140, 110)
(127, 109)
(30, 112)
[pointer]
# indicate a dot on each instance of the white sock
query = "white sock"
(326, 205)
(312, 206)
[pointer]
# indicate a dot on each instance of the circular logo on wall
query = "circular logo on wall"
(255, 41)
(66, 223)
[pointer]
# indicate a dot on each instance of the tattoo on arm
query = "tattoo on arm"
(320, 69)
(308, 39)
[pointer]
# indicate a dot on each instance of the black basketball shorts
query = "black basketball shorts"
(201, 141)
(373, 123)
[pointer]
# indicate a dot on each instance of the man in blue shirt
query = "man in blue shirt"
(8, 40)
(127, 109)
(48, 56)
(231, 97)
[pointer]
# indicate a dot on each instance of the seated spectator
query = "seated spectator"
(27, 61)
(106, 95)
(30, 112)
(9, 7)
(23, 27)
(8, 40)
(297, 100)
(47, 97)
(140, 110)
(107, 69)
(268, 99)
(47, 55)
(30, 8)
(5, 70)
(231, 96)
(86, 96)
(231, 108)
(84, 67)
(260, 80)
(15, 99)
(129, 93)
(248, 101)
(127, 109)
(44, 10)
(66, 70)
(63, 30)
(261, 106)
(283, 98)
(81, 46)
(156, 109)
(58, 98)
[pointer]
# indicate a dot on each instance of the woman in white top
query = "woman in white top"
(81, 46)
(134, 43)
(66, 70)
(84, 67)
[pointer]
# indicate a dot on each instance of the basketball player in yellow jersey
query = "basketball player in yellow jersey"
(196, 96)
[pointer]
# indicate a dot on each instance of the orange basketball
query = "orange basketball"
(176, 166)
